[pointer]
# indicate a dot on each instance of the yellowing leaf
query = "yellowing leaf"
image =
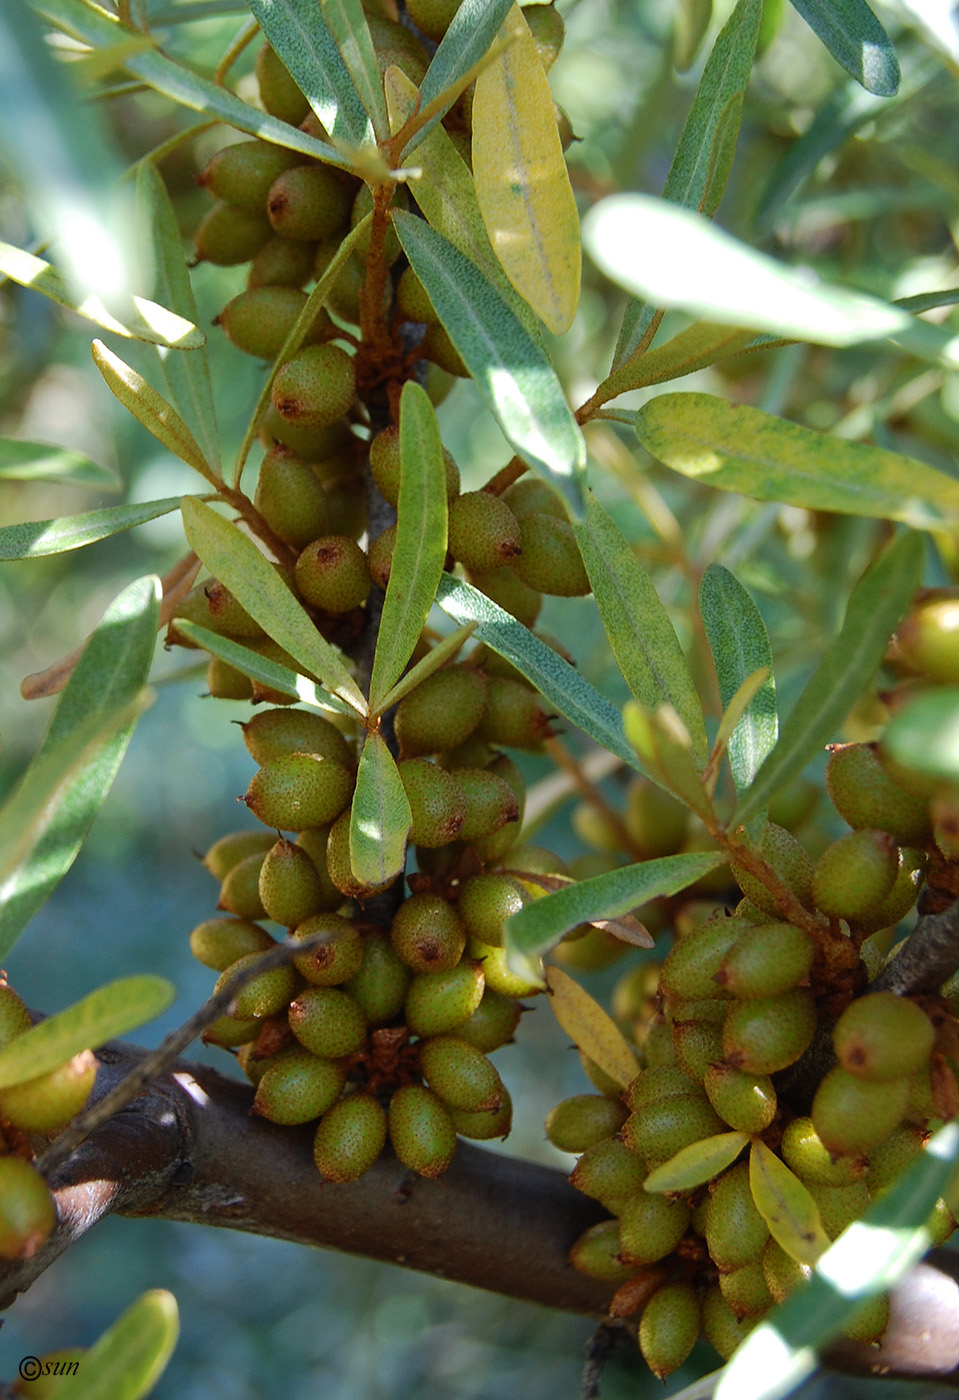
(786, 1206)
(521, 180)
(588, 1026)
(698, 1162)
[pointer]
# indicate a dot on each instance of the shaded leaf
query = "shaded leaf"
(742, 449)
(589, 1027)
(436, 657)
(521, 179)
(662, 742)
(511, 370)
(347, 23)
(699, 1162)
(46, 818)
(786, 1206)
(923, 735)
(110, 1011)
(146, 321)
(856, 40)
(694, 176)
(152, 410)
(472, 30)
(267, 672)
(420, 552)
(127, 1361)
(536, 928)
(561, 684)
(869, 1257)
(40, 461)
(187, 376)
(740, 647)
(875, 607)
(380, 816)
(637, 624)
(235, 561)
(36, 538)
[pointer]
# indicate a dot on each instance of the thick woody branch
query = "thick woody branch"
(187, 1148)
(928, 958)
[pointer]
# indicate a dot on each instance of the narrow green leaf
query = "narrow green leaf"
(694, 178)
(111, 1011)
(95, 26)
(923, 735)
(786, 1206)
(690, 26)
(234, 559)
(299, 32)
(739, 448)
(637, 624)
(71, 774)
(380, 816)
(128, 1360)
(662, 742)
(472, 30)
(589, 1027)
(561, 685)
(700, 345)
(539, 926)
(187, 376)
(420, 542)
(36, 538)
(40, 461)
(152, 410)
(267, 672)
(928, 301)
(876, 606)
(511, 371)
(856, 40)
(869, 1257)
(699, 1162)
(436, 657)
(740, 646)
(145, 321)
(722, 152)
(347, 23)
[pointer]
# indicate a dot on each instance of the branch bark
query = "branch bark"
(188, 1149)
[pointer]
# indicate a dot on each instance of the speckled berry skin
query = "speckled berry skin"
(882, 1036)
(350, 1137)
(421, 1130)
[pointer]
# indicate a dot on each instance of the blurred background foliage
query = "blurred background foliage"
(864, 189)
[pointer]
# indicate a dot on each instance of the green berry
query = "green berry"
(766, 960)
(241, 174)
(746, 1290)
(379, 987)
(308, 203)
(890, 1158)
(437, 346)
(259, 320)
(669, 1325)
(650, 1226)
(229, 1031)
(548, 30)
(882, 1036)
(227, 236)
(333, 444)
(316, 844)
(460, 1075)
(421, 1131)
(659, 1130)
(486, 902)
(290, 498)
(380, 556)
(492, 1024)
(298, 791)
(442, 712)
(46, 1104)
(275, 733)
(491, 806)
(335, 961)
(14, 1016)
(902, 896)
(783, 852)
(316, 386)
(351, 1136)
(853, 876)
(655, 821)
(433, 17)
(265, 994)
(413, 302)
(499, 977)
(218, 943)
(332, 574)
(484, 1126)
(339, 865)
(736, 1233)
(484, 534)
(854, 1115)
(724, 1330)
(870, 1320)
(281, 262)
(385, 461)
(513, 716)
(428, 934)
(596, 1253)
(697, 1045)
(747, 1102)
(299, 1087)
(929, 637)
(766, 1034)
(781, 1271)
(224, 854)
(658, 1082)
(240, 890)
(437, 802)
(583, 1120)
(437, 1002)
(328, 1021)
(278, 92)
(692, 965)
(510, 593)
(27, 1211)
(549, 560)
(839, 1206)
(863, 793)
(290, 884)
(532, 496)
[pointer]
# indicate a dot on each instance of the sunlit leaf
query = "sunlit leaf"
(738, 448)
(40, 461)
(856, 40)
(380, 816)
(511, 371)
(740, 647)
(663, 744)
(875, 607)
(699, 1162)
(436, 657)
(589, 1027)
(152, 410)
(36, 538)
(700, 345)
(521, 179)
(234, 559)
(46, 818)
(640, 632)
(560, 684)
(466, 42)
(127, 1361)
(786, 1206)
(347, 23)
(420, 550)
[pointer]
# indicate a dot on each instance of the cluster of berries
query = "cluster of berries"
(737, 1001)
(42, 1105)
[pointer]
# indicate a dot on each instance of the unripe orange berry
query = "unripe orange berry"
(27, 1211)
